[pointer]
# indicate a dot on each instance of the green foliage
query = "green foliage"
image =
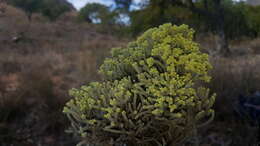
(53, 9)
(29, 6)
(123, 5)
(153, 16)
(97, 13)
(151, 93)
(253, 19)
(235, 19)
(50, 8)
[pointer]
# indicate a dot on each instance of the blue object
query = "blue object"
(248, 107)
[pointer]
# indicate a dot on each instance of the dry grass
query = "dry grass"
(230, 78)
(39, 62)
(233, 77)
(240, 47)
(255, 45)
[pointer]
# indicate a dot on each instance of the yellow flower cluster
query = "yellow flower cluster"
(156, 78)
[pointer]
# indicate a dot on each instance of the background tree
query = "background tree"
(97, 13)
(225, 18)
(54, 8)
(28, 6)
(123, 5)
(253, 19)
(156, 12)
(50, 8)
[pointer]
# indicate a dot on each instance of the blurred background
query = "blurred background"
(50, 46)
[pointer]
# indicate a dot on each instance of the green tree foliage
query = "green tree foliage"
(124, 5)
(226, 18)
(97, 13)
(54, 8)
(29, 6)
(235, 20)
(253, 19)
(50, 8)
(157, 12)
(151, 93)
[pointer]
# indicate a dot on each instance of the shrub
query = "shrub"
(151, 93)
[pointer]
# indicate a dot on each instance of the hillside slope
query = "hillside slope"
(39, 62)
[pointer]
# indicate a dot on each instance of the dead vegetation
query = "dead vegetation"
(39, 62)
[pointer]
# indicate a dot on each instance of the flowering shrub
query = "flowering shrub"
(151, 93)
